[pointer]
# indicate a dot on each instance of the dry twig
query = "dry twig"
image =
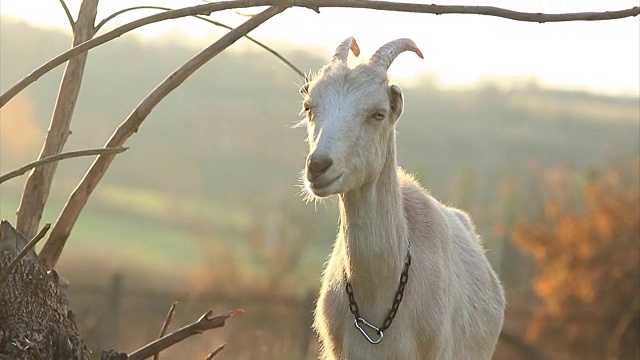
(9, 269)
(206, 322)
(314, 5)
(58, 157)
(165, 326)
(68, 14)
(216, 352)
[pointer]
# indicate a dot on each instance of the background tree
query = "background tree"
(588, 254)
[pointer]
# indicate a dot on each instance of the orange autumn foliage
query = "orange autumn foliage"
(588, 272)
(20, 135)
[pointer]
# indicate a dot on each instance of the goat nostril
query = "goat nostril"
(318, 165)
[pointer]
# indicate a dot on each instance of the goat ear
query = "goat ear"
(396, 100)
(304, 89)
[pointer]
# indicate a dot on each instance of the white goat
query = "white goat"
(392, 232)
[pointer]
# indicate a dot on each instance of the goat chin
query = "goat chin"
(326, 188)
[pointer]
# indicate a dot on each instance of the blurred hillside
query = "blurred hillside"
(218, 154)
(207, 197)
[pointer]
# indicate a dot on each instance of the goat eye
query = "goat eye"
(379, 115)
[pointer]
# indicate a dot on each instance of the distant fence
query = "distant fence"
(275, 327)
(125, 318)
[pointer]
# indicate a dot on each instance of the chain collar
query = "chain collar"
(361, 323)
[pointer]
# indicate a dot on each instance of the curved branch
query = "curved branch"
(314, 5)
(471, 10)
(262, 45)
(68, 13)
(52, 249)
(58, 157)
(120, 12)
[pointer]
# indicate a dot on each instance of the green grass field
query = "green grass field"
(156, 239)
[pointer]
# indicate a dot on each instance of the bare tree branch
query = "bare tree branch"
(216, 352)
(470, 10)
(262, 45)
(206, 322)
(71, 211)
(68, 13)
(38, 184)
(165, 326)
(58, 157)
(9, 269)
(315, 5)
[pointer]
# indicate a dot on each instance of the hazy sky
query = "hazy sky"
(459, 49)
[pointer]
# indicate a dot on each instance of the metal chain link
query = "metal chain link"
(404, 277)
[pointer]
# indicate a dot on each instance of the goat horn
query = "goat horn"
(342, 51)
(389, 51)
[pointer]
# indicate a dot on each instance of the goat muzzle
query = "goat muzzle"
(317, 165)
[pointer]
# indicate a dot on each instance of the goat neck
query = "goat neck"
(374, 231)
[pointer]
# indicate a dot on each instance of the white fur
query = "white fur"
(453, 305)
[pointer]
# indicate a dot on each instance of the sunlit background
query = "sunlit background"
(460, 49)
(532, 128)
